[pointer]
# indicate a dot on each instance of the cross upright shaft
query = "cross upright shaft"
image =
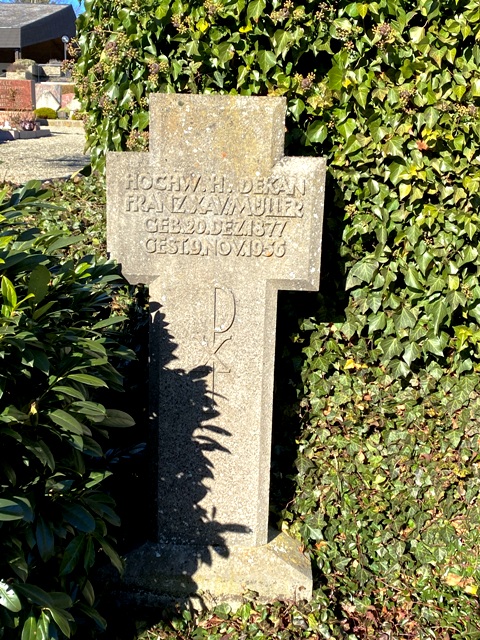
(216, 220)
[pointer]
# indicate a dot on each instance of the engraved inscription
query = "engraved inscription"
(207, 247)
(218, 205)
(213, 215)
(273, 185)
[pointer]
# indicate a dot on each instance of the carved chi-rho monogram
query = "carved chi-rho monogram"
(223, 319)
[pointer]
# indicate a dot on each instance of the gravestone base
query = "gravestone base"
(13, 134)
(158, 575)
(30, 135)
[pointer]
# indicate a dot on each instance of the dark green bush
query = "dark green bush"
(46, 113)
(57, 345)
(77, 206)
(388, 464)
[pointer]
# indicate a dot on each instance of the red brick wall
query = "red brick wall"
(17, 95)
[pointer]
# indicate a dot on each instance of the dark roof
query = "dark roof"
(25, 24)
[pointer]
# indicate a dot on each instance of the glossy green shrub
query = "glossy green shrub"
(46, 112)
(57, 345)
(388, 463)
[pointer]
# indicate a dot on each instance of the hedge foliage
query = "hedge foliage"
(58, 345)
(388, 91)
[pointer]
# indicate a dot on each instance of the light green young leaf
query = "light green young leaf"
(38, 282)
(87, 379)
(68, 422)
(8, 598)
(29, 630)
(8, 292)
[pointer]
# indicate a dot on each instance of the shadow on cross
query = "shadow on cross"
(184, 535)
(189, 429)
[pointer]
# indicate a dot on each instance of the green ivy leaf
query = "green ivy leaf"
(317, 131)
(399, 369)
(140, 120)
(405, 319)
(391, 347)
(335, 78)
(411, 352)
(255, 9)
(266, 60)
(439, 312)
(433, 345)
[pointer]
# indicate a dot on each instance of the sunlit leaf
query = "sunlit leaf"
(8, 598)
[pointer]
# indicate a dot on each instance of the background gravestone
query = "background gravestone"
(216, 220)
(17, 95)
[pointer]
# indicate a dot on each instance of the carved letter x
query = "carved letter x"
(213, 358)
(212, 354)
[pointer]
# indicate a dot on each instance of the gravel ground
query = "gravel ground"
(55, 156)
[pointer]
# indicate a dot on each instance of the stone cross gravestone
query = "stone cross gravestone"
(215, 220)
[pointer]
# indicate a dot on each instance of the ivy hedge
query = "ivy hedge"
(387, 482)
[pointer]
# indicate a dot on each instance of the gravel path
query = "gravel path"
(55, 156)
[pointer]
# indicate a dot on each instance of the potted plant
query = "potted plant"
(25, 121)
(28, 121)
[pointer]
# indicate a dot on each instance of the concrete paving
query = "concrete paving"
(56, 156)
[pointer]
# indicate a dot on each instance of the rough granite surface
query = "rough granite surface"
(216, 220)
(164, 574)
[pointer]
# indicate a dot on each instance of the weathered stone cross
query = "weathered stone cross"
(216, 220)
